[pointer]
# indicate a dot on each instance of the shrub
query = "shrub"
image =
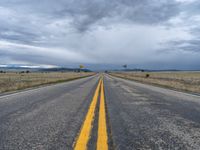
(147, 75)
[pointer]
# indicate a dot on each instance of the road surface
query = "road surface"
(99, 112)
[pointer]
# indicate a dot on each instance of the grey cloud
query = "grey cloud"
(192, 8)
(192, 46)
(18, 36)
(28, 19)
(188, 45)
(90, 29)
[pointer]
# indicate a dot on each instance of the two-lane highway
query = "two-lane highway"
(99, 112)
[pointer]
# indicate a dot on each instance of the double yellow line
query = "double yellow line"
(84, 136)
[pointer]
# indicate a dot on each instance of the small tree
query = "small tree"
(125, 66)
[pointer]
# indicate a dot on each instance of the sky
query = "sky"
(101, 34)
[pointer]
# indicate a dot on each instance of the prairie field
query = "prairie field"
(179, 80)
(16, 81)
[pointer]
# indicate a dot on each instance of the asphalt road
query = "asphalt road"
(137, 116)
(147, 117)
(45, 118)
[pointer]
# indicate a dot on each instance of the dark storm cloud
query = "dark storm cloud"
(86, 13)
(89, 12)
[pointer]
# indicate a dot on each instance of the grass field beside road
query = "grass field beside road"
(16, 81)
(182, 81)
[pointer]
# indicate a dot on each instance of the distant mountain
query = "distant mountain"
(18, 68)
(147, 70)
(64, 70)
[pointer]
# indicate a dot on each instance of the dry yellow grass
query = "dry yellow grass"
(182, 81)
(16, 81)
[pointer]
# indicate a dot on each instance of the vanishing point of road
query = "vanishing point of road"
(99, 112)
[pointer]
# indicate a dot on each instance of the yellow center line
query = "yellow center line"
(81, 143)
(102, 140)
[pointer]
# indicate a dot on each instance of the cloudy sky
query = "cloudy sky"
(152, 34)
